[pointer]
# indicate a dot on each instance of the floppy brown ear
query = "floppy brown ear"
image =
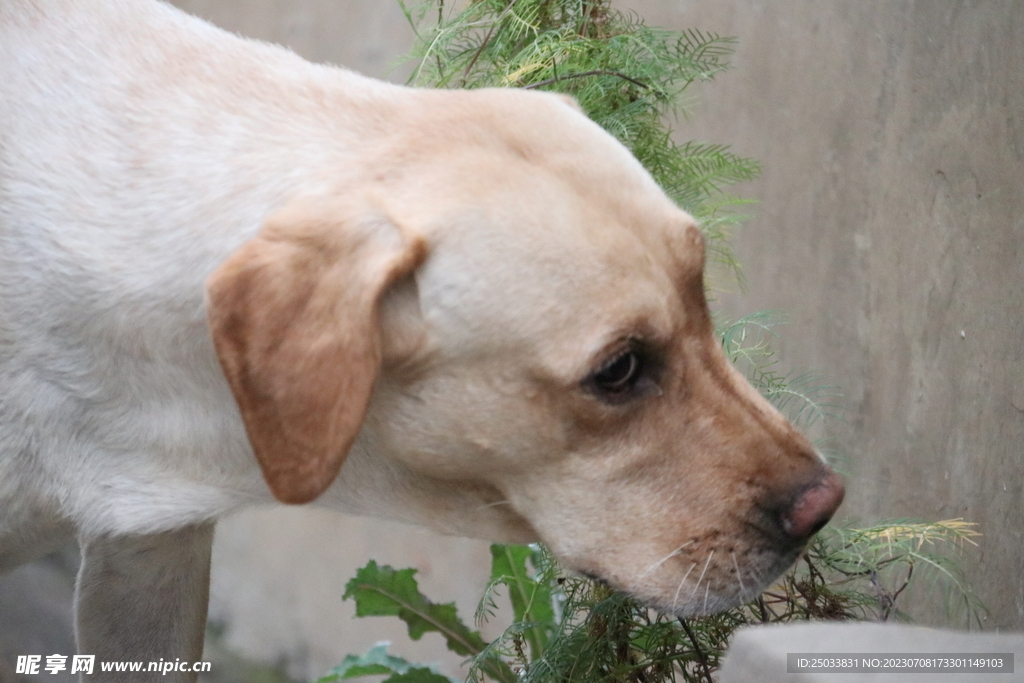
(293, 314)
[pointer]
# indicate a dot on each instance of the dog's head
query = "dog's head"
(502, 324)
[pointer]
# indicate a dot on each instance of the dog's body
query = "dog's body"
(211, 249)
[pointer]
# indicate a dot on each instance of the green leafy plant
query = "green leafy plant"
(564, 628)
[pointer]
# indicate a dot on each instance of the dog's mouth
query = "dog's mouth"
(693, 599)
(712, 580)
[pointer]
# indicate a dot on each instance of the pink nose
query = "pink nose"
(814, 507)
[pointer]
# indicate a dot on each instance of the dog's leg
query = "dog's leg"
(143, 599)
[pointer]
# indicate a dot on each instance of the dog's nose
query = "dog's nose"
(813, 507)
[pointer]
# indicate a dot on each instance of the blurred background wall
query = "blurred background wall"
(889, 228)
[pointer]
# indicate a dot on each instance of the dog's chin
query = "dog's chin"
(688, 600)
(707, 604)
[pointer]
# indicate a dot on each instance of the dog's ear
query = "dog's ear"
(294, 318)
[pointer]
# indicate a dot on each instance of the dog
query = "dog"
(229, 276)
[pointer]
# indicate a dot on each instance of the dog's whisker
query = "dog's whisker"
(675, 600)
(739, 573)
(701, 577)
(706, 592)
(664, 560)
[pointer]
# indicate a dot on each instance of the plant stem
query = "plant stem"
(702, 659)
(483, 43)
(597, 72)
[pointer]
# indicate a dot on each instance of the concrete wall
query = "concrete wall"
(368, 37)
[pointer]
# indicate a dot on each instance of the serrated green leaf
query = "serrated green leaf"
(384, 591)
(508, 566)
(531, 599)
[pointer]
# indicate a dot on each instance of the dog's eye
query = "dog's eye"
(620, 375)
(633, 373)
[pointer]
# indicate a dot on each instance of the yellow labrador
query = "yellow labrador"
(228, 275)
